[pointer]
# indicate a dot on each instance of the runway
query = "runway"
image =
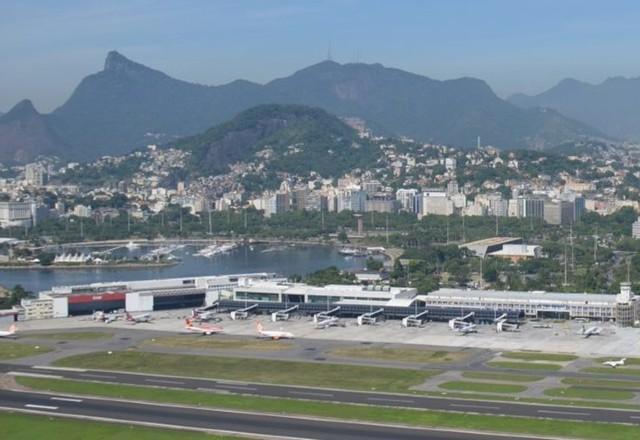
(330, 395)
(242, 423)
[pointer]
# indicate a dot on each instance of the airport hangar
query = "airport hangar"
(266, 293)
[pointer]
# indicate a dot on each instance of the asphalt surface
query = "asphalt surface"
(330, 395)
(242, 423)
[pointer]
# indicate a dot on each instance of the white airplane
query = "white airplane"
(273, 334)
(135, 319)
(330, 321)
(504, 326)
(204, 329)
(614, 364)
(465, 330)
(591, 331)
(9, 333)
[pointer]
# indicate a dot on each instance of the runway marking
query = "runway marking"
(45, 367)
(99, 376)
(66, 399)
(380, 399)
(308, 393)
(237, 387)
(548, 411)
(460, 405)
(43, 376)
(170, 382)
(212, 390)
(52, 408)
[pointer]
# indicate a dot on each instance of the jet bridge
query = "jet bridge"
(325, 315)
(283, 315)
(242, 313)
(209, 308)
(369, 318)
(414, 320)
(462, 321)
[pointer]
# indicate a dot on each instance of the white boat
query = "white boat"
(352, 252)
(213, 250)
(132, 246)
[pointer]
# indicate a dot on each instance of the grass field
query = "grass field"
(16, 426)
(501, 376)
(215, 343)
(409, 355)
(14, 350)
(574, 392)
(618, 371)
(378, 414)
(524, 365)
(482, 387)
(73, 336)
(602, 383)
(254, 370)
(536, 356)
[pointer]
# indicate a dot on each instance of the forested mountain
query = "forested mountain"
(290, 138)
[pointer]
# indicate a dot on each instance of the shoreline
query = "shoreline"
(91, 266)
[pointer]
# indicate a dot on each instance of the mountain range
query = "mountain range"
(611, 106)
(127, 105)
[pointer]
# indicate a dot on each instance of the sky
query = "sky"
(47, 47)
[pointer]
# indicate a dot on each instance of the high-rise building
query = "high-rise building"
(299, 198)
(35, 174)
(14, 213)
(635, 228)
(406, 198)
(533, 208)
(452, 188)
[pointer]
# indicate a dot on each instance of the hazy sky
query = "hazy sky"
(47, 47)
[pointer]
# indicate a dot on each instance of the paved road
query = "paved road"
(243, 423)
(319, 394)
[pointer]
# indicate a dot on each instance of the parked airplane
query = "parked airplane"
(273, 334)
(504, 326)
(591, 331)
(107, 318)
(614, 364)
(465, 330)
(9, 333)
(330, 321)
(204, 329)
(135, 319)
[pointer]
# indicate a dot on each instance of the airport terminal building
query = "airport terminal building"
(266, 293)
(134, 296)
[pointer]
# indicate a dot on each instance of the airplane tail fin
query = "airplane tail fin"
(188, 321)
(259, 326)
(13, 329)
(129, 317)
